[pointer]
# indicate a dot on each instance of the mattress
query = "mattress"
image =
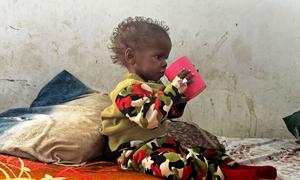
(284, 154)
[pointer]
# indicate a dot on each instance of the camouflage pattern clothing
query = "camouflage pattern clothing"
(139, 109)
(164, 157)
(134, 126)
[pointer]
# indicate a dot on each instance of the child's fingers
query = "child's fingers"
(189, 77)
(183, 73)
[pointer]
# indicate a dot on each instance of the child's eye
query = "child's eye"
(160, 57)
(157, 56)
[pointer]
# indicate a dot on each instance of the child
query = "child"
(141, 103)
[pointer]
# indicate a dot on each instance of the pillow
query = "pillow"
(62, 125)
(189, 134)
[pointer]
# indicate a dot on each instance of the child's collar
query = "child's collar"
(133, 76)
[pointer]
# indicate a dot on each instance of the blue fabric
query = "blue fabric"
(62, 88)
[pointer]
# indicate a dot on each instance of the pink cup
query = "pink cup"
(197, 85)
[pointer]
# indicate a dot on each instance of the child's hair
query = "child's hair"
(134, 33)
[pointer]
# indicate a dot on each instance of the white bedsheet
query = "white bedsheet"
(284, 154)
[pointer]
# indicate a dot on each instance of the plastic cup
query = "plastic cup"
(197, 85)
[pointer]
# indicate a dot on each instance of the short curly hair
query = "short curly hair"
(133, 32)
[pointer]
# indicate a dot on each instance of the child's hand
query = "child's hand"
(186, 76)
(182, 80)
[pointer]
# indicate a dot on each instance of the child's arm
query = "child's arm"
(147, 108)
(177, 110)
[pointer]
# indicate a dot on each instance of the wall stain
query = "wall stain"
(189, 116)
(241, 51)
(12, 55)
(253, 117)
(234, 78)
(228, 103)
(212, 74)
(181, 43)
(73, 51)
(21, 81)
(31, 46)
(55, 47)
(14, 28)
(29, 35)
(212, 102)
(97, 45)
(67, 23)
(218, 45)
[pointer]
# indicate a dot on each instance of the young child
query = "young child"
(141, 103)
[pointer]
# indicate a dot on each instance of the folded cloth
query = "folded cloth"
(292, 122)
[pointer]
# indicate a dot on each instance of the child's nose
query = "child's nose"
(164, 63)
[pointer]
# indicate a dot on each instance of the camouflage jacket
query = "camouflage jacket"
(138, 110)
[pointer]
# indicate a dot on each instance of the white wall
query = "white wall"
(247, 51)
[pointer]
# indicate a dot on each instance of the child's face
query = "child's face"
(150, 63)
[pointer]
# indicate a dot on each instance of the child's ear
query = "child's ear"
(129, 56)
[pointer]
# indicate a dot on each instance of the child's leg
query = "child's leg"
(233, 170)
(262, 172)
(163, 157)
